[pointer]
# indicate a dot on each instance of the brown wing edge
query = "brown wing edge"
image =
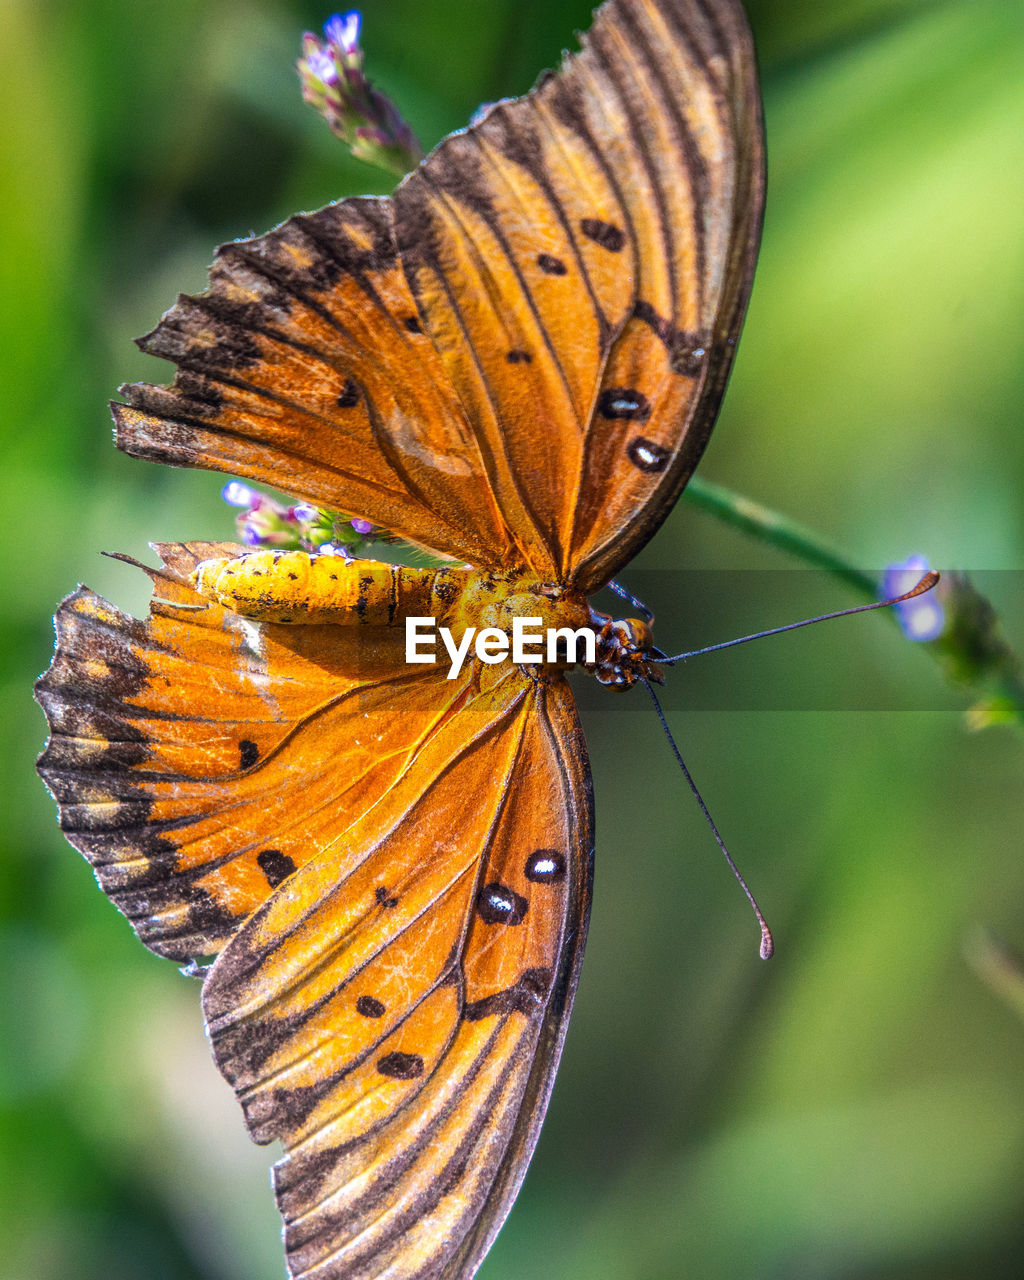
(89, 761)
(97, 763)
(566, 733)
(216, 338)
(730, 20)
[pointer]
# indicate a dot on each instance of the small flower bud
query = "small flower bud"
(236, 494)
(332, 549)
(366, 120)
(922, 618)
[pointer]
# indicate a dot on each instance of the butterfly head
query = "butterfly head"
(625, 652)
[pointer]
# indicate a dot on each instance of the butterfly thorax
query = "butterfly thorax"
(292, 587)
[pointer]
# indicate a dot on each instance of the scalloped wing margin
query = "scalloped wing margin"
(199, 759)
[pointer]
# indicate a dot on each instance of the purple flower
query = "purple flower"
(320, 65)
(334, 549)
(334, 82)
(922, 618)
(236, 494)
(305, 513)
(262, 521)
(343, 30)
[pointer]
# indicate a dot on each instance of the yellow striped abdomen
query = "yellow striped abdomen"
(291, 586)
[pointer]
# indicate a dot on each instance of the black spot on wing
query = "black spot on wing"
(370, 1007)
(348, 397)
(688, 357)
(384, 899)
(605, 234)
(275, 865)
(498, 904)
(519, 357)
(623, 403)
(545, 866)
(687, 351)
(646, 455)
(551, 266)
(525, 996)
(412, 323)
(400, 1066)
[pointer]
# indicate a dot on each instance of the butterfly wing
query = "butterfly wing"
(395, 1015)
(579, 262)
(582, 258)
(176, 745)
(304, 366)
(393, 870)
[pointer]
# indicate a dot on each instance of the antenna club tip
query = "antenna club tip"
(767, 945)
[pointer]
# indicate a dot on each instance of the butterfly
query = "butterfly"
(383, 875)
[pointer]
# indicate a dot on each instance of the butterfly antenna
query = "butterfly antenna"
(767, 942)
(927, 582)
(641, 609)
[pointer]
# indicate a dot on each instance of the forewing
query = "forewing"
(582, 258)
(304, 366)
(199, 759)
(396, 1013)
(580, 261)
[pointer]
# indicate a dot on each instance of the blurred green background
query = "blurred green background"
(853, 1110)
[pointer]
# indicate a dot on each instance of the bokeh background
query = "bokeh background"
(853, 1110)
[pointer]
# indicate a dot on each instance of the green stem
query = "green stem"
(778, 531)
(972, 651)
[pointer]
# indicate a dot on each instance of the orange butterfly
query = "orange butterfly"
(516, 362)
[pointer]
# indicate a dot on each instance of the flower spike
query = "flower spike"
(364, 119)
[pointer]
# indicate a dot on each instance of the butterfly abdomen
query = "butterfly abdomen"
(292, 586)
